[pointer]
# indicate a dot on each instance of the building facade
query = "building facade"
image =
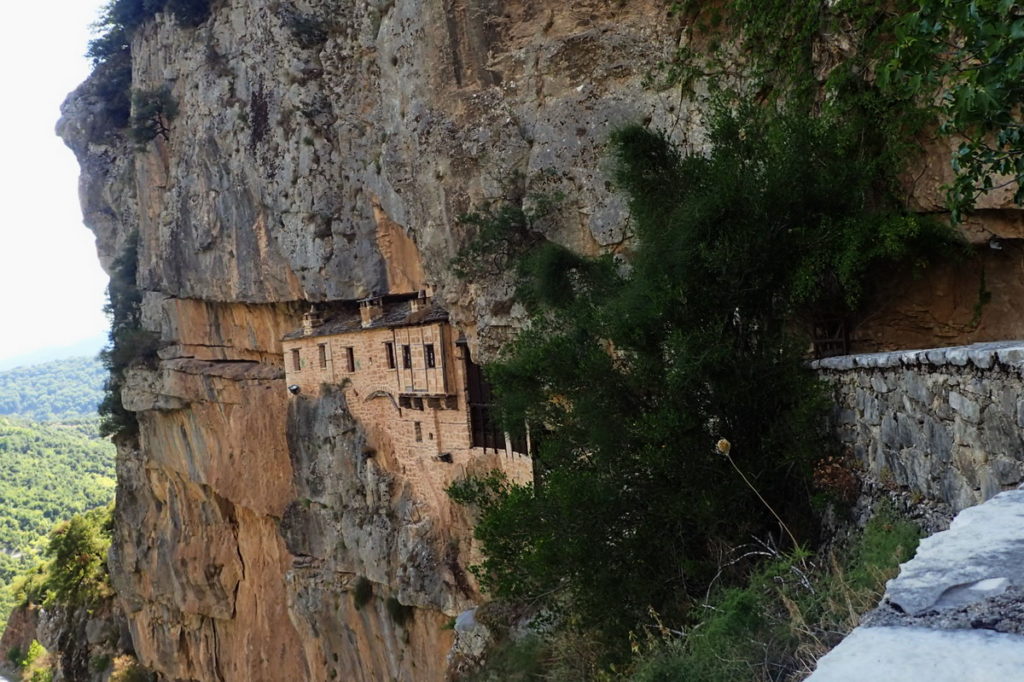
(406, 376)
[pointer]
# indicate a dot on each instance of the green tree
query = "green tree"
(77, 572)
(628, 375)
(968, 59)
(152, 111)
(59, 390)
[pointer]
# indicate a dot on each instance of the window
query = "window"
(407, 356)
(296, 360)
(350, 357)
(419, 432)
(410, 402)
(322, 348)
(428, 355)
(389, 350)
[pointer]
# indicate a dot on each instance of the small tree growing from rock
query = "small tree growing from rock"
(152, 111)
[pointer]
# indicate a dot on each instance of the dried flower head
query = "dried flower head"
(723, 446)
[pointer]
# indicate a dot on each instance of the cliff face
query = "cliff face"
(324, 151)
(83, 644)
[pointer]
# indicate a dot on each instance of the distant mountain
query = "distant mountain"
(53, 391)
(87, 347)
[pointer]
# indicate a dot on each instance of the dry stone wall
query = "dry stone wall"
(945, 423)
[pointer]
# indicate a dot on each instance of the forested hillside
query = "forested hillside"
(48, 473)
(55, 390)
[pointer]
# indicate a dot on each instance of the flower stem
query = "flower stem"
(796, 545)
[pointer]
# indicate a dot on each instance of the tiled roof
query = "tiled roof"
(395, 315)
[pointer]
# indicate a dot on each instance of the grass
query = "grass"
(791, 611)
(789, 614)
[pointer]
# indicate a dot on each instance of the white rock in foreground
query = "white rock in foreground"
(981, 555)
(961, 582)
(901, 654)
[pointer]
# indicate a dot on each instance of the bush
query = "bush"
(400, 613)
(34, 653)
(110, 51)
(308, 30)
(129, 343)
(127, 16)
(787, 616)
(362, 593)
(514, 661)
(99, 664)
(152, 111)
(189, 13)
(502, 233)
(42, 675)
(132, 672)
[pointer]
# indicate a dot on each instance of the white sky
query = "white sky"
(51, 285)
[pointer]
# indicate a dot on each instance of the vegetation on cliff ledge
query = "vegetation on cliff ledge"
(130, 344)
(111, 49)
(75, 571)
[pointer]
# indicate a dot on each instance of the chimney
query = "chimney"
(311, 320)
(422, 299)
(370, 309)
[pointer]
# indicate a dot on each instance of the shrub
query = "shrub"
(30, 587)
(99, 664)
(131, 672)
(110, 51)
(34, 653)
(129, 343)
(400, 613)
(308, 30)
(787, 615)
(127, 16)
(514, 661)
(503, 232)
(362, 593)
(42, 675)
(189, 13)
(152, 111)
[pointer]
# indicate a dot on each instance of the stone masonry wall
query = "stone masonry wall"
(946, 423)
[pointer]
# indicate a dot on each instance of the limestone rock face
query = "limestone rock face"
(324, 150)
(78, 639)
(355, 522)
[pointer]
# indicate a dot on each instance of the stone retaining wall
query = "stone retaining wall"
(947, 423)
